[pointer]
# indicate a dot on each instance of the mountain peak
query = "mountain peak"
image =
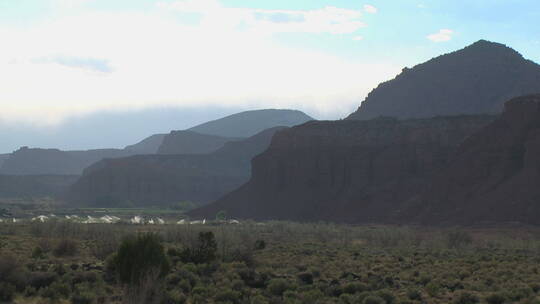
(477, 79)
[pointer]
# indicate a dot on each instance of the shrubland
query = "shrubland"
(272, 262)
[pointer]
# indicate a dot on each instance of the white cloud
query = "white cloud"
(441, 36)
(370, 9)
(118, 60)
(358, 38)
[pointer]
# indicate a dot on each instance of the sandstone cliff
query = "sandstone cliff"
(494, 176)
(475, 80)
(351, 171)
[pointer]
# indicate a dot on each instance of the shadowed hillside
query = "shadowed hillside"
(148, 180)
(351, 171)
(149, 145)
(14, 186)
(495, 176)
(475, 80)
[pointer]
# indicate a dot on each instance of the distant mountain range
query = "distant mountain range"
(475, 80)
(163, 180)
(35, 161)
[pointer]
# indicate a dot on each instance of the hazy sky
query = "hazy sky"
(60, 58)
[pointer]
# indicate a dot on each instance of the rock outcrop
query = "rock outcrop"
(189, 142)
(346, 171)
(494, 176)
(164, 180)
(30, 161)
(475, 80)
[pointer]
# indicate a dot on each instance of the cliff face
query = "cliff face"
(495, 175)
(167, 179)
(26, 161)
(189, 142)
(351, 171)
(3, 158)
(475, 80)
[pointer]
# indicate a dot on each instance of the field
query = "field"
(273, 262)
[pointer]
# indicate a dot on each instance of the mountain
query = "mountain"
(475, 80)
(249, 123)
(3, 158)
(150, 180)
(495, 175)
(345, 171)
(30, 161)
(189, 142)
(34, 186)
(149, 145)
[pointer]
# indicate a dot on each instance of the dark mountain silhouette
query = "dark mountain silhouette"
(249, 123)
(346, 171)
(495, 175)
(27, 161)
(475, 80)
(189, 142)
(149, 145)
(34, 186)
(150, 180)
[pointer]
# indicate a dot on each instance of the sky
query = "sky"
(67, 60)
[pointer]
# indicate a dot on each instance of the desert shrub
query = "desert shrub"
(38, 253)
(458, 239)
(7, 292)
(414, 294)
(387, 296)
(139, 257)
(306, 277)
(466, 298)
(85, 297)
(278, 286)
(352, 288)
(30, 291)
(174, 297)
(373, 300)
(260, 245)
(433, 289)
(40, 280)
(204, 250)
(66, 247)
(496, 298)
(228, 296)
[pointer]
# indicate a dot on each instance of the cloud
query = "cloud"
(370, 9)
(90, 64)
(133, 60)
(441, 36)
(358, 38)
(328, 19)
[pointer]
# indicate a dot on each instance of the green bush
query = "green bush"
(174, 297)
(373, 300)
(466, 298)
(458, 239)
(66, 247)
(7, 292)
(138, 257)
(85, 297)
(278, 286)
(496, 299)
(203, 252)
(228, 296)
